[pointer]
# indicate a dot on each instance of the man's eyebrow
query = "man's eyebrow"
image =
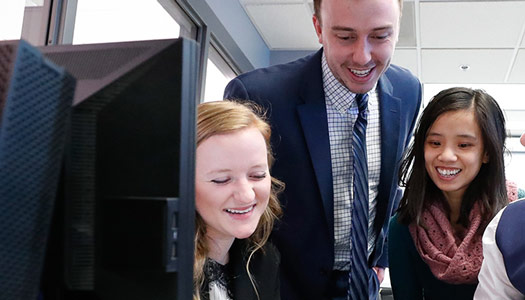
(344, 28)
(388, 27)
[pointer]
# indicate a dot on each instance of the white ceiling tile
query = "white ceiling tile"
(255, 2)
(407, 28)
(406, 58)
(485, 66)
(471, 24)
(517, 74)
(284, 26)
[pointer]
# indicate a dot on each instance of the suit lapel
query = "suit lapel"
(312, 114)
(389, 109)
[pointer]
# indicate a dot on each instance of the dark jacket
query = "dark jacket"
(264, 268)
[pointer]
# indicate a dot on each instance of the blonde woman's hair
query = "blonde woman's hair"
(221, 117)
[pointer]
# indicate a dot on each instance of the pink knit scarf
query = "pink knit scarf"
(453, 257)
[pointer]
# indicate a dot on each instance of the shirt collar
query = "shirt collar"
(337, 95)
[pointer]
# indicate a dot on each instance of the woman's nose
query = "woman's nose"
(244, 192)
(448, 154)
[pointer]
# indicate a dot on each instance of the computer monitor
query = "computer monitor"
(124, 228)
(35, 101)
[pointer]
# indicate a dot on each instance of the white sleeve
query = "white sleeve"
(493, 280)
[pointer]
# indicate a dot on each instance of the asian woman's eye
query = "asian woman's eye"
(464, 145)
(434, 143)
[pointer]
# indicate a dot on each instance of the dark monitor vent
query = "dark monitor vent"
(33, 128)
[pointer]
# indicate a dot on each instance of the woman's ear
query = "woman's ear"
(485, 158)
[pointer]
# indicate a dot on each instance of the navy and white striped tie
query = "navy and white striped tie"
(358, 287)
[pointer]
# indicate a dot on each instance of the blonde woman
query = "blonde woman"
(236, 203)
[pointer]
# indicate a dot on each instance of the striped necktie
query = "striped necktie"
(358, 287)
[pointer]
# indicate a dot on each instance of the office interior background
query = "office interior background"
(479, 44)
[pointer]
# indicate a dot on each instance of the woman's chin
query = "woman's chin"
(244, 234)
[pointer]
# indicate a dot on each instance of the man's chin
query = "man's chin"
(360, 88)
(362, 85)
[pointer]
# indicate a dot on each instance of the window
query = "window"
(99, 21)
(25, 19)
(218, 74)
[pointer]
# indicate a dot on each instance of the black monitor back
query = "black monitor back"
(35, 101)
(127, 224)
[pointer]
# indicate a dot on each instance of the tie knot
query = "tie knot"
(362, 101)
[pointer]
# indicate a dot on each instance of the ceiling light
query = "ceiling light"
(464, 67)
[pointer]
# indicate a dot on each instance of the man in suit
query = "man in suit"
(311, 108)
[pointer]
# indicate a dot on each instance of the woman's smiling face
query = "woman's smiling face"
(454, 152)
(232, 183)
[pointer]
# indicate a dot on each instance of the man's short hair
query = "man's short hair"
(317, 8)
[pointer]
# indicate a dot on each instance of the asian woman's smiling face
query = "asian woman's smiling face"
(232, 183)
(454, 152)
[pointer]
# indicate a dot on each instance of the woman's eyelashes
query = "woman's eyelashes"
(434, 143)
(221, 180)
(259, 175)
(224, 180)
(461, 145)
(464, 145)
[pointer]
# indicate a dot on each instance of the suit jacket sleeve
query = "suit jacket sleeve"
(403, 275)
(235, 90)
(409, 83)
(383, 261)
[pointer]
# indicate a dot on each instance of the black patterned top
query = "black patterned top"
(218, 280)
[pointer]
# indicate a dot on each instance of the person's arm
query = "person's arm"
(383, 259)
(493, 280)
(403, 277)
(236, 90)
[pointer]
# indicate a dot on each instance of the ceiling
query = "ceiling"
(439, 41)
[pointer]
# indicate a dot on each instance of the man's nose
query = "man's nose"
(362, 52)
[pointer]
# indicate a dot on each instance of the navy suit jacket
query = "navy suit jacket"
(509, 238)
(294, 98)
